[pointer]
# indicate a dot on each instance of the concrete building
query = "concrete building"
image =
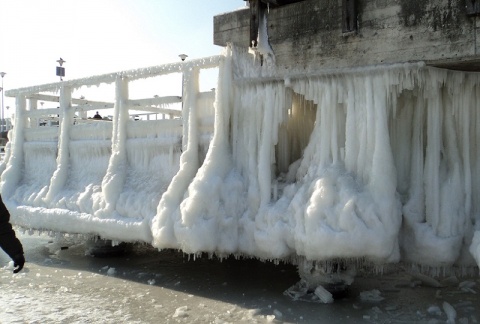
(323, 34)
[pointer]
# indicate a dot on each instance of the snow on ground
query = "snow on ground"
(60, 284)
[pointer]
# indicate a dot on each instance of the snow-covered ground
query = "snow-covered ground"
(60, 284)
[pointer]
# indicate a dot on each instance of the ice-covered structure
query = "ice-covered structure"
(106, 176)
(379, 164)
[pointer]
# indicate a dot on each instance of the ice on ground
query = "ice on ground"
(324, 295)
(434, 310)
(181, 312)
(371, 296)
(450, 312)
(111, 272)
(426, 280)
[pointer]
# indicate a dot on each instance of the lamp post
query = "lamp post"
(61, 69)
(2, 74)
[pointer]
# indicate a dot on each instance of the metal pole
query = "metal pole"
(3, 96)
(183, 57)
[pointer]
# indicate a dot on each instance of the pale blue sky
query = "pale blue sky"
(101, 36)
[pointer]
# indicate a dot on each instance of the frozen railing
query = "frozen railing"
(63, 165)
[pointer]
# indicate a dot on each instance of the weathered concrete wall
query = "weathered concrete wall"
(309, 33)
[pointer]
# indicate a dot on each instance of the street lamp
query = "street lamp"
(2, 74)
(61, 69)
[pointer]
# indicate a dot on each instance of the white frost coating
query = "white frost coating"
(13, 169)
(59, 177)
(167, 222)
(377, 163)
(114, 179)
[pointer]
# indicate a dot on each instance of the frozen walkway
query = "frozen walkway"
(145, 286)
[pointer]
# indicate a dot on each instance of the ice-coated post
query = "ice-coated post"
(32, 105)
(11, 176)
(114, 180)
(59, 178)
(190, 92)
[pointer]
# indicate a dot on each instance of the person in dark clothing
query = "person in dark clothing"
(8, 240)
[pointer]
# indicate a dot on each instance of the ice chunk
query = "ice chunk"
(426, 280)
(9, 266)
(324, 295)
(371, 296)
(277, 313)
(297, 291)
(181, 312)
(434, 310)
(467, 284)
(450, 311)
(111, 272)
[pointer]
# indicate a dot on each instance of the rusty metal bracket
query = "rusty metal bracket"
(349, 16)
(472, 7)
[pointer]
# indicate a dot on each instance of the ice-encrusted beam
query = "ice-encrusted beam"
(93, 106)
(142, 73)
(155, 101)
(76, 101)
(156, 110)
(295, 75)
(42, 112)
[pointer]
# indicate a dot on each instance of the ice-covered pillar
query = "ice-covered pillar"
(59, 178)
(82, 114)
(32, 105)
(190, 88)
(193, 90)
(433, 155)
(283, 149)
(114, 180)
(163, 224)
(14, 165)
(184, 114)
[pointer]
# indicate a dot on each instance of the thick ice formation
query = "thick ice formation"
(387, 172)
(378, 163)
